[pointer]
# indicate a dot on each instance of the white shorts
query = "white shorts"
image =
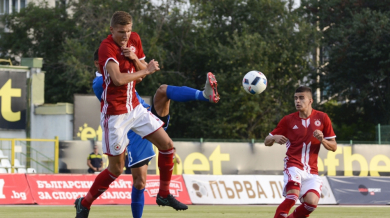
(116, 127)
(306, 180)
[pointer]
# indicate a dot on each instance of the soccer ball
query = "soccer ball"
(254, 82)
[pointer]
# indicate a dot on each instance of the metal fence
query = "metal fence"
(382, 133)
(22, 155)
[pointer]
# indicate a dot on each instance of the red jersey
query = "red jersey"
(302, 146)
(118, 99)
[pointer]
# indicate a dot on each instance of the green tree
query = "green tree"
(355, 38)
(230, 41)
(228, 38)
(40, 31)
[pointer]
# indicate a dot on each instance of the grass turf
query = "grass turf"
(193, 211)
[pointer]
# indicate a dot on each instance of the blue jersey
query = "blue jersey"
(138, 149)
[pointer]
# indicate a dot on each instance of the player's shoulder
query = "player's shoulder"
(134, 35)
(320, 114)
(291, 116)
(107, 42)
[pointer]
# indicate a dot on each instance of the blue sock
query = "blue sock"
(137, 202)
(184, 93)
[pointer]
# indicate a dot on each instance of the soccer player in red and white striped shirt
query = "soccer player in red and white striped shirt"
(303, 132)
(121, 112)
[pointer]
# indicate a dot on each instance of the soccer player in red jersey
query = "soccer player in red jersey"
(303, 132)
(121, 112)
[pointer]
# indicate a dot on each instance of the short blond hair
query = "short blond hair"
(121, 18)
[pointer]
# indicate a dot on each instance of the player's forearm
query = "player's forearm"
(269, 140)
(330, 145)
(124, 78)
(119, 78)
(139, 65)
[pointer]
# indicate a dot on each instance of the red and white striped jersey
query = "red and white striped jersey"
(302, 146)
(118, 99)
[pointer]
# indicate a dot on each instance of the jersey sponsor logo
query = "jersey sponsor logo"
(306, 123)
(317, 123)
(295, 127)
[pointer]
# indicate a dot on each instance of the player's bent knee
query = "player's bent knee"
(167, 145)
(139, 184)
(115, 169)
(311, 197)
(293, 187)
(170, 144)
(162, 90)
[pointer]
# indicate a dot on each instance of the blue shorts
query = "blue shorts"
(139, 149)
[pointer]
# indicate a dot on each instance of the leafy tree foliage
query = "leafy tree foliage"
(355, 46)
(40, 31)
(189, 39)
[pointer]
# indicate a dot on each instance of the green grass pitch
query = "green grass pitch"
(198, 211)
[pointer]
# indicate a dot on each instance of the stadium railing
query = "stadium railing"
(201, 140)
(41, 160)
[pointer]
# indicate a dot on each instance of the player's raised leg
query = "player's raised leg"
(183, 93)
(165, 164)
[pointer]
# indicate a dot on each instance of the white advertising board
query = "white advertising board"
(242, 189)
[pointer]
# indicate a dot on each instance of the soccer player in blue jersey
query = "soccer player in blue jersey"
(140, 151)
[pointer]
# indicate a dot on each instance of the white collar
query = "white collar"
(98, 74)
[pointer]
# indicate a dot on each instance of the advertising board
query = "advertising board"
(361, 190)
(14, 189)
(243, 189)
(64, 189)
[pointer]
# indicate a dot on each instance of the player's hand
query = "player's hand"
(127, 52)
(153, 66)
(319, 135)
(280, 139)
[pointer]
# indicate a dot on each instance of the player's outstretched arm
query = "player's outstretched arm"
(119, 78)
(329, 144)
(270, 139)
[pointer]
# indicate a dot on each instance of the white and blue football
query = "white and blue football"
(254, 82)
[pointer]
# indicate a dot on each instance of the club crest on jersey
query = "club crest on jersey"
(317, 123)
(132, 48)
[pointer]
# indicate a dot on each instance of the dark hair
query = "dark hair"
(121, 18)
(174, 148)
(96, 55)
(303, 89)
